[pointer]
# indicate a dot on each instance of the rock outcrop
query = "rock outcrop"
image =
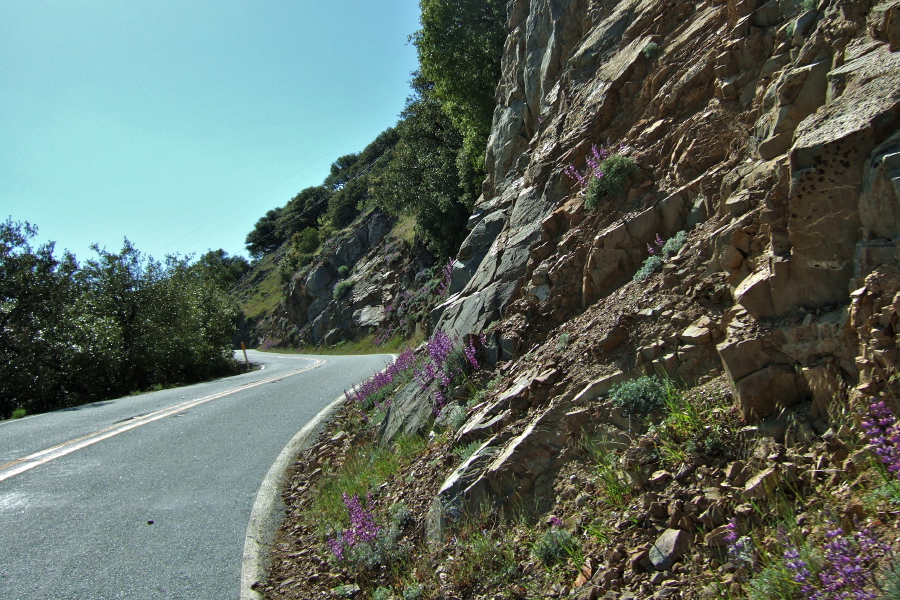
(377, 269)
(768, 132)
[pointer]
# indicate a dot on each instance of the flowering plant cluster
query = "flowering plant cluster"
(594, 159)
(369, 391)
(845, 570)
(884, 435)
(740, 550)
(442, 364)
(362, 530)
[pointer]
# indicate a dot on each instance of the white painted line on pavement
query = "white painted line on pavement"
(21, 465)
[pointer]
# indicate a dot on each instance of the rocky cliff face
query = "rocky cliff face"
(770, 133)
(767, 131)
(375, 268)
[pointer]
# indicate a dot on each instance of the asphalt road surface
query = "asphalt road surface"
(148, 497)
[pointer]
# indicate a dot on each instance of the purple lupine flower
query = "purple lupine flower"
(556, 521)
(659, 241)
(572, 172)
(845, 571)
(444, 285)
(362, 530)
(362, 523)
(651, 249)
(471, 354)
(731, 537)
(884, 435)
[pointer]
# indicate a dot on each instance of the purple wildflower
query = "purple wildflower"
(444, 285)
(884, 435)
(362, 530)
(731, 537)
(572, 172)
(659, 241)
(651, 249)
(470, 354)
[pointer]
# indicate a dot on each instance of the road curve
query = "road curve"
(149, 496)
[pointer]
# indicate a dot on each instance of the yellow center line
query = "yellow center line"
(20, 465)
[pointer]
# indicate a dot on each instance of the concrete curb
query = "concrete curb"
(262, 526)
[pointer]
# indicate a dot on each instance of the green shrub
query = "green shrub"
(343, 270)
(618, 173)
(306, 241)
(651, 264)
(640, 397)
(464, 452)
(413, 591)
(556, 546)
(674, 243)
(651, 51)
(382, 593)
(891, 581)
(19, 413)
(342, 288)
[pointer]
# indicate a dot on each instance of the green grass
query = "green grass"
(613, 489)
(405, 229)
(365, 345)
(19, 413)
(259, 292)
(365, 467)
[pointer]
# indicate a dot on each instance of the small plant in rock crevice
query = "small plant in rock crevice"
(618, 173)
(342, 288)
(651, 51)
(556, 546)
(608, 175)
(658, 258)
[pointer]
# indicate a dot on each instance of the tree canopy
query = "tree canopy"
(118, 323)
(460, 46)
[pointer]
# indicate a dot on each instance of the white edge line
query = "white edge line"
(260, 529)
(256, 545)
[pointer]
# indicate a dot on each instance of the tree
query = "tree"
(119, 323)
(223, 270)
(302, 211)
(265, 237)
(422, 178)
(460, 46)
(36, 341)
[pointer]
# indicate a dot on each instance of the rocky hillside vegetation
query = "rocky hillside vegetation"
(664, 365)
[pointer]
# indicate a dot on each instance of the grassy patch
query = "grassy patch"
(19, 413)
(364, 468)
(405, 229)
(365, 345)
(259, 292)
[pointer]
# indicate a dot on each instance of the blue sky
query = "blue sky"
(179, 123)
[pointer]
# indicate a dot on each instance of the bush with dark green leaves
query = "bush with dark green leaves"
(618, 173)
(422, 177)
(72, 333)
(640, 397)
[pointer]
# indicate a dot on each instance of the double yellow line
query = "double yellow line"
(20, 465)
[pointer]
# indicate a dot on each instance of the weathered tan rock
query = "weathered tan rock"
(762, 484)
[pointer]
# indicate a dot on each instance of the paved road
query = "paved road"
(148, 497)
